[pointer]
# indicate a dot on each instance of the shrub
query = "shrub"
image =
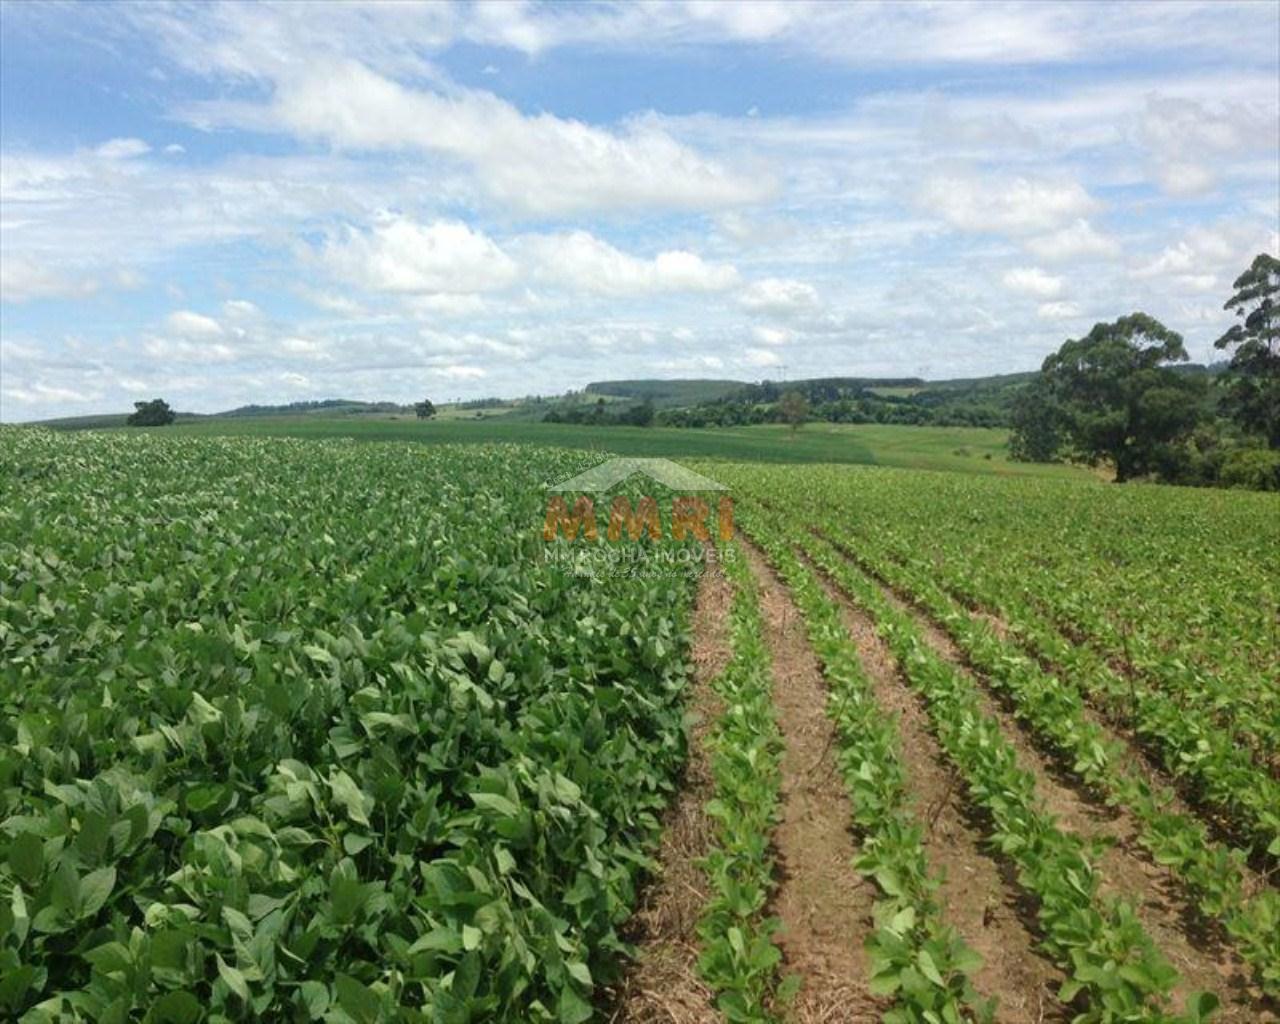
(1257, 469)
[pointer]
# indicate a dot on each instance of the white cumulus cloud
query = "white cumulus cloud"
(1078, 240)
(187, 324)
(772, 335)
(23, 279)
(784, 298)
(402, 256)
(540, 164)
(122, 149)
(582, 262)
(1032, 281)
(1057, 310)
(761, 357)
(1014, 206)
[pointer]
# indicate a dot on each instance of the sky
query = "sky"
(223, 204)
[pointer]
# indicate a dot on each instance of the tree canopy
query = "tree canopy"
(1111, 397)
(1037, 424)
(155, 413)
(424, 409)
(794, 408)
(1253, 388)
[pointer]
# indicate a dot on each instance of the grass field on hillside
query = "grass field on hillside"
(957, 449)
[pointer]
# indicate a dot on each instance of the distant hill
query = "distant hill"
(667, 393)
(104, 421)
(325, 407)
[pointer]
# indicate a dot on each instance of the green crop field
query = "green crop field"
(962, 449)
(298, 728)
(639, 512)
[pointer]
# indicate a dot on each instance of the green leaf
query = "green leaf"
(315, 997)
(967, 960)
(109, 957)
(885, 983)
(64, 895)
(95, 888)
(928, 968)
(241, 927)
(347, 793)
(496, 802)
(1201, 1005)
(176, 1008)
(788, 989)
(572, 1008)
(234, 978)
(357, 999)
(318, 654)
(353, 843)
(26, 857)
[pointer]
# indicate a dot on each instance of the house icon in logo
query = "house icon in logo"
(608, 475)
(689, 510)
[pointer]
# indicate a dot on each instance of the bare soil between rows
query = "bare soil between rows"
(662, 985)
(824, 907)
(823, 904)
(1145, 759)
(979, 896)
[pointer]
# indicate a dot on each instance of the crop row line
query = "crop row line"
(739, 958)
(1055, 711)
(1114, 969)
(1217, 770)
(1238, 719)
(914, 955)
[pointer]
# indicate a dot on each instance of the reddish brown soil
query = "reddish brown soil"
(662, 985)
(823, 904)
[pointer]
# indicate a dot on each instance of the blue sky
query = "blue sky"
(223, 204)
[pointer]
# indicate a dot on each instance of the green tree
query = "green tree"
(640, 415)
(794, 408)
(1037, 424)
(1117, 399)
(1253, 379)
(424, 409)
(155, 413)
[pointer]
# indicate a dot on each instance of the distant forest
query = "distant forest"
(911, 401)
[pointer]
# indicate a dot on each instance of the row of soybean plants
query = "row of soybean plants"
(1184, 733)
(1229, 764)
(1178, 587)
(311, 730)
(915, 958)
(1176, 592)
(1114, 970)
(1182, 725)
(1055, 710)
(740, 960)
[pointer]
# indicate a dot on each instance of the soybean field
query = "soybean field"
(308, 730)
(317, 730)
